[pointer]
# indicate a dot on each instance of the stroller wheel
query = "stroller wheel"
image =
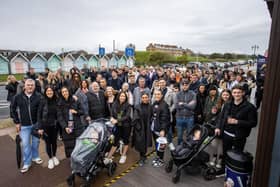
(71, 180)
(169, 166)
(176, 177)
(209, 173)
(111, 169)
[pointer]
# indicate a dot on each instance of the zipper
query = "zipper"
(29, 110)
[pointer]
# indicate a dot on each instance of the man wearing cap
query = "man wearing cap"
(185, 105)
(131, 81)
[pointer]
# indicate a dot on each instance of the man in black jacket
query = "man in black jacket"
(24, 109)
(236, 120)
(96, 103)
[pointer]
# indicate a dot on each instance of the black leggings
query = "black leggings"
(159, 153)
(51, 144)
(123, 133)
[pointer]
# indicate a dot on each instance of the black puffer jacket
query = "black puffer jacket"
(47, 113)
(12, 90)
(160, 116)
(245, 113)
(97, 107)
(63, 117)
(24, 109)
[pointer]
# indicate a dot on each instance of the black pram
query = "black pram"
(190, 153)
(89, 152)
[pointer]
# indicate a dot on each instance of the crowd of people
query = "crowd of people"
(144, 103)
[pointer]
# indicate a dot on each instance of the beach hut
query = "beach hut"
(130, 62)
(80, 60)
(93, 61)
(37, 61)
(18, 62)
(104, 61)
(113, 62)
(67, 61)
(122, 61)
(53, 61)
(4, 65)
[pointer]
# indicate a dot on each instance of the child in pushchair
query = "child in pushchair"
(88, 155)
(186, 147)
(190, 154)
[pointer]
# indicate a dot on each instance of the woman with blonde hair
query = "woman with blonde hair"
(11, 87)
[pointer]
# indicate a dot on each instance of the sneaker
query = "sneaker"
(213, 161)
(158, 163)
(106, 161)
(50, 164)
(155, 160)
(37, 160)
(219, 164)
(24, 169)
(122, 159)
(55, 161)
(141, 162)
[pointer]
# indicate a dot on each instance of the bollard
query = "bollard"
(239, 166)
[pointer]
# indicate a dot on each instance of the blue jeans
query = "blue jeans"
(182, 124)
(30, 147)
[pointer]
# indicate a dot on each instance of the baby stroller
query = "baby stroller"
(89, 152)
(194, 157)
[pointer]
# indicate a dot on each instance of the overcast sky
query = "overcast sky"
(201, 25)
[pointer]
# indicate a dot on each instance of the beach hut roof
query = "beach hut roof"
(31, 56)
(5, 58)
(15, 54)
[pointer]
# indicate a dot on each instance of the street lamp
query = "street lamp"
(255, 48)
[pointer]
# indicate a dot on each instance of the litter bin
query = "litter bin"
(239, 166)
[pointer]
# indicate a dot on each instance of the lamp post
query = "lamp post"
(254, 48)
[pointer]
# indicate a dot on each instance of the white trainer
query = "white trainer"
(122, 159)
(38, 160)
(24, 169)
(55, 161)
(50, 164)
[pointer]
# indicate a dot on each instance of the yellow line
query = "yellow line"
(126, 171)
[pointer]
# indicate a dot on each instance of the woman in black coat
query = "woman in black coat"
(121, 119)
(200, 98)
(69, 117)
(142, 135)
(11, 87)
(160, 123)
(47, 117)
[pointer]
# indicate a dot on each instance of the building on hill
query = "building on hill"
(170, 49)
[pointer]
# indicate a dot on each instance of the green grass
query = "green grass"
(5, 123)
(3, 77)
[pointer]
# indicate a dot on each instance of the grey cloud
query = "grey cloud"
(206, 26)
